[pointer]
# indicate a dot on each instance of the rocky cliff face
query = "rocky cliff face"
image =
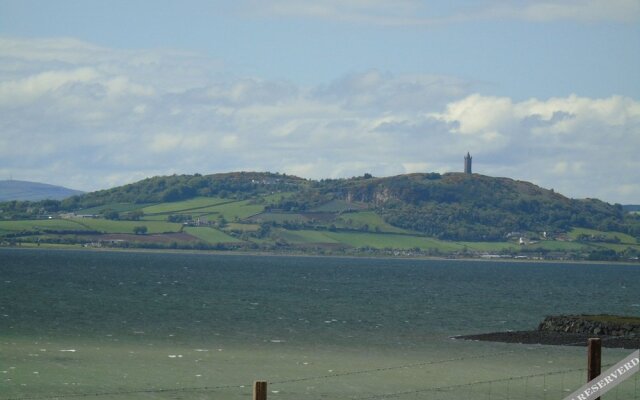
(600, 325)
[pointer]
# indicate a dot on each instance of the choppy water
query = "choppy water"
(193, 320)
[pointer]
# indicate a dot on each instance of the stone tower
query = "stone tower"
(467, 163)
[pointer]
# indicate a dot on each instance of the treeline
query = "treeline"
(236, 185)
(466, 207)
(475, 207)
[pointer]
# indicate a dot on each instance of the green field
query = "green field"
(363, 239)
(111, 226)
(183, 206)
(41, 224)
(211, 235)
(623, 237)
(556, 245)
(119, 207)
(275, 197)
(387, 240)
(236, 210)
(374, 221)
(360, 228)
(489, 246)
(304, 236)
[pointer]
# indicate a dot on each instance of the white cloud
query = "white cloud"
(31, 87)
(98, 117)
(578, 145)
(579, 10)
(395, 13)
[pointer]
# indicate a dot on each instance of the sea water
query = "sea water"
(123, 325)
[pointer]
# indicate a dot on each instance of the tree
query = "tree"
(140, 230)
(133, 215)
(111, 214)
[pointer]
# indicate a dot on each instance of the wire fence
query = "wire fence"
(550, 385)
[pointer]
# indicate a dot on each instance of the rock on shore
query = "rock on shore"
(573, 330)
(608, 325)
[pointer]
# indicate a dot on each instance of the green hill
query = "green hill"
(451, 212)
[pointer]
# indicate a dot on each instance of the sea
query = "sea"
(163, 325)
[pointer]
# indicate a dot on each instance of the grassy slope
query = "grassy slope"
(623, 237)
(386, 240)
(211, 235)
(183, 206)
(304, 237)
(364, 239)
(40, 224)
(370, 218)
(238, 209)
(119, 207)
(109, 226)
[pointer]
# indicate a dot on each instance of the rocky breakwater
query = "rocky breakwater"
(598, 325)
(573, 330)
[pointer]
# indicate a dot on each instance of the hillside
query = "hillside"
(457, 206)
(33, 191)
(429, 213)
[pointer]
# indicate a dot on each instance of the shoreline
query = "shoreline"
(274, 254)
(551, 338)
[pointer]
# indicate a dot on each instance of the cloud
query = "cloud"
(394, 13)
(582, 10)
(89, 117)
(579, 145)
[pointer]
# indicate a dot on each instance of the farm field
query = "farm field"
(374, 221)
(119, 207)
(363, 239)
(113, 226)
(183, 206)
(489, 246)
(623, 237)
(384, 237)
(40, 224)
(211, 235)
(237, 210)
(387, 240)
(336, 224)
(304, 236)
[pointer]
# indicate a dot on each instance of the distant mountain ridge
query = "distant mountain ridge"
(33, 191)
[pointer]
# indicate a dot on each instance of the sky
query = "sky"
(95, 94)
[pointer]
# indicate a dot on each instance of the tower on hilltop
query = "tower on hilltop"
(467, 163)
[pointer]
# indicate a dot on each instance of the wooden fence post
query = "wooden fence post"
(594, 359)
(260, 390)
